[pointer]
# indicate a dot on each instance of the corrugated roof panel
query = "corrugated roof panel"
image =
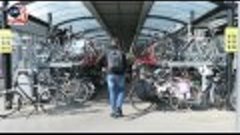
(161, 24)
(61, 11)
(82, 25)
(181, 10)
(96, 33)
(175, 10)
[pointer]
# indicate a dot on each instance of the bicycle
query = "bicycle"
(164, 89)
(143, 94)
(67, 88)
(21, 98)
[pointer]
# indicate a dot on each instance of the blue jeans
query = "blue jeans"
(116, 89)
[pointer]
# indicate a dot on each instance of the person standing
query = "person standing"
(115, 62)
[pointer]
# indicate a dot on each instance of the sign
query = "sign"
(17, 15)
(6, 37)
(231, 39)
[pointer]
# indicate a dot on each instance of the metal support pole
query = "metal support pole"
(238, 78)
(70, 34)
(6, 62)
(192, 18)
(190, 28)
(229, 60)
(50, 27)
(49, 22)
(70, 29)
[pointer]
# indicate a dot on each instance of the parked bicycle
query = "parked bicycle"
(23, 93)
(163, 87)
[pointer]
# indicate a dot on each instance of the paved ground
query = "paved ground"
(94, 117)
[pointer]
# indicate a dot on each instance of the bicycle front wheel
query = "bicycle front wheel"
(16, 104)
(137, 102)
(81, 93)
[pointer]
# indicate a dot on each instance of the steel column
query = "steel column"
(7, 64)
(238, 79)
(229, 60)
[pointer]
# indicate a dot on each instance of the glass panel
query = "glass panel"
(143, 38)
(103, 38)
(151, 32)
(176, 10)
(181, 10)
(96, 36)
(217, 22)
(162, 24)
(96, 33)
(82, 25)
(61, 10)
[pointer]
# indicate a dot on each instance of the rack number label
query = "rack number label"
(231, 39)
(6, 37)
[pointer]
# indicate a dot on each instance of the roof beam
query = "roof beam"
(38, 21)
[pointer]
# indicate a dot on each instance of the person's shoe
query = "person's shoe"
(113, 115)
(119, 112)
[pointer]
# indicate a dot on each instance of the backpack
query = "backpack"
(115, 61)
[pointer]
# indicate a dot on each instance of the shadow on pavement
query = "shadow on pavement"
(137, 115)
(72, 109)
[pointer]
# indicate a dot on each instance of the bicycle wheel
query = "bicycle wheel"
(174, 103)
(45, 97)
(137, 102)
(80, 91)
(58, 98)
(91, 90)
(17, 102)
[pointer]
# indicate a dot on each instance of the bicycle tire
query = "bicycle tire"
(80, 94)
(45, 97)
(91, 90)
(133, 97)
(59, 98)
(174, 103)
